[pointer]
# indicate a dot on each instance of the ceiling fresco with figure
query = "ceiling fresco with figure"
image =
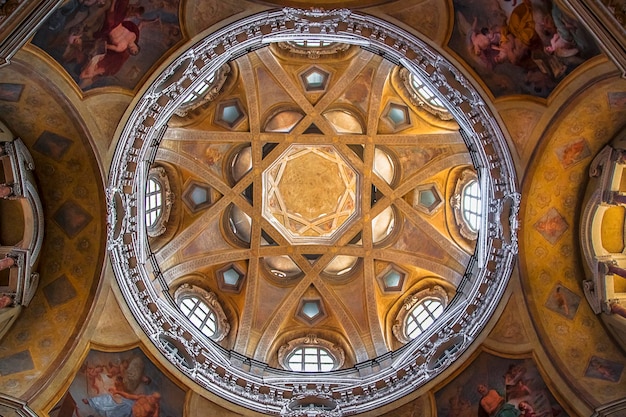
(120, 384)
(247, 230)
(102, 43)
(491, 380)
(529, 40)
(555, 274)
(534, 41)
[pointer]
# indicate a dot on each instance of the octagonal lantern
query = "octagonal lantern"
(311, 194)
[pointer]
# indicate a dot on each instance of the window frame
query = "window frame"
(473, 200)
(205, 92)
(433, 105)
(457, 201)
(412, 316)
(158, 175)
(209, 299)
(312, 52)
(289, 350)
(304, 352)
(411, 303)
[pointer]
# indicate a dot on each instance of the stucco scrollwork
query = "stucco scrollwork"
(314, 52)
(137, 149)
(209, 93)
(420, 101)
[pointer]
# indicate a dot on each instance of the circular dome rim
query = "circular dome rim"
(146, 123)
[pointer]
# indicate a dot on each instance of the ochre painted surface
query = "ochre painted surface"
(612, 229)
(311, 191)
(555, 139)
(550, 255)
(74, 213)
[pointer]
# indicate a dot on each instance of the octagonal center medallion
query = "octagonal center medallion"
(310, 194)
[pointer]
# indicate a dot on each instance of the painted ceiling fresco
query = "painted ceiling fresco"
(499, 387)
(120, 384)
(526, 48)
(103, 43)
(506, 41)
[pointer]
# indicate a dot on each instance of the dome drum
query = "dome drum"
(369, 384)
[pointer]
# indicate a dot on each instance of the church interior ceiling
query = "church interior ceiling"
(312, 196)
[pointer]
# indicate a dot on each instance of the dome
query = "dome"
(323, 196)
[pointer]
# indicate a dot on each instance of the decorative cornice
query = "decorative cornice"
(314, 53)
(613, 409)
(253, 384)
(419, 101)
(19, 20)
(19, 407)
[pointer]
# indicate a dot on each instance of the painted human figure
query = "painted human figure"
(5, 191)
(121, 38)
(518, 36)
(6, 262)
(128, 405)
(144, 405)
(561, 301)
(492, 404)
(6, 301)
(526, 409)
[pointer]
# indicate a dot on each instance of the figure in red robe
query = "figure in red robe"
(121, 37)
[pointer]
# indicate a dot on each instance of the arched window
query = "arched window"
(199, 314)
(310, 354)
(154, 201)
(425, 93)
(201, 89)
(310, 359)
(470, 205)
(158, 201)
(203, 311)
(205, 92)
(312, 48)
(419, 312)
(423, 96)
(466, 203)
(422, 316)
